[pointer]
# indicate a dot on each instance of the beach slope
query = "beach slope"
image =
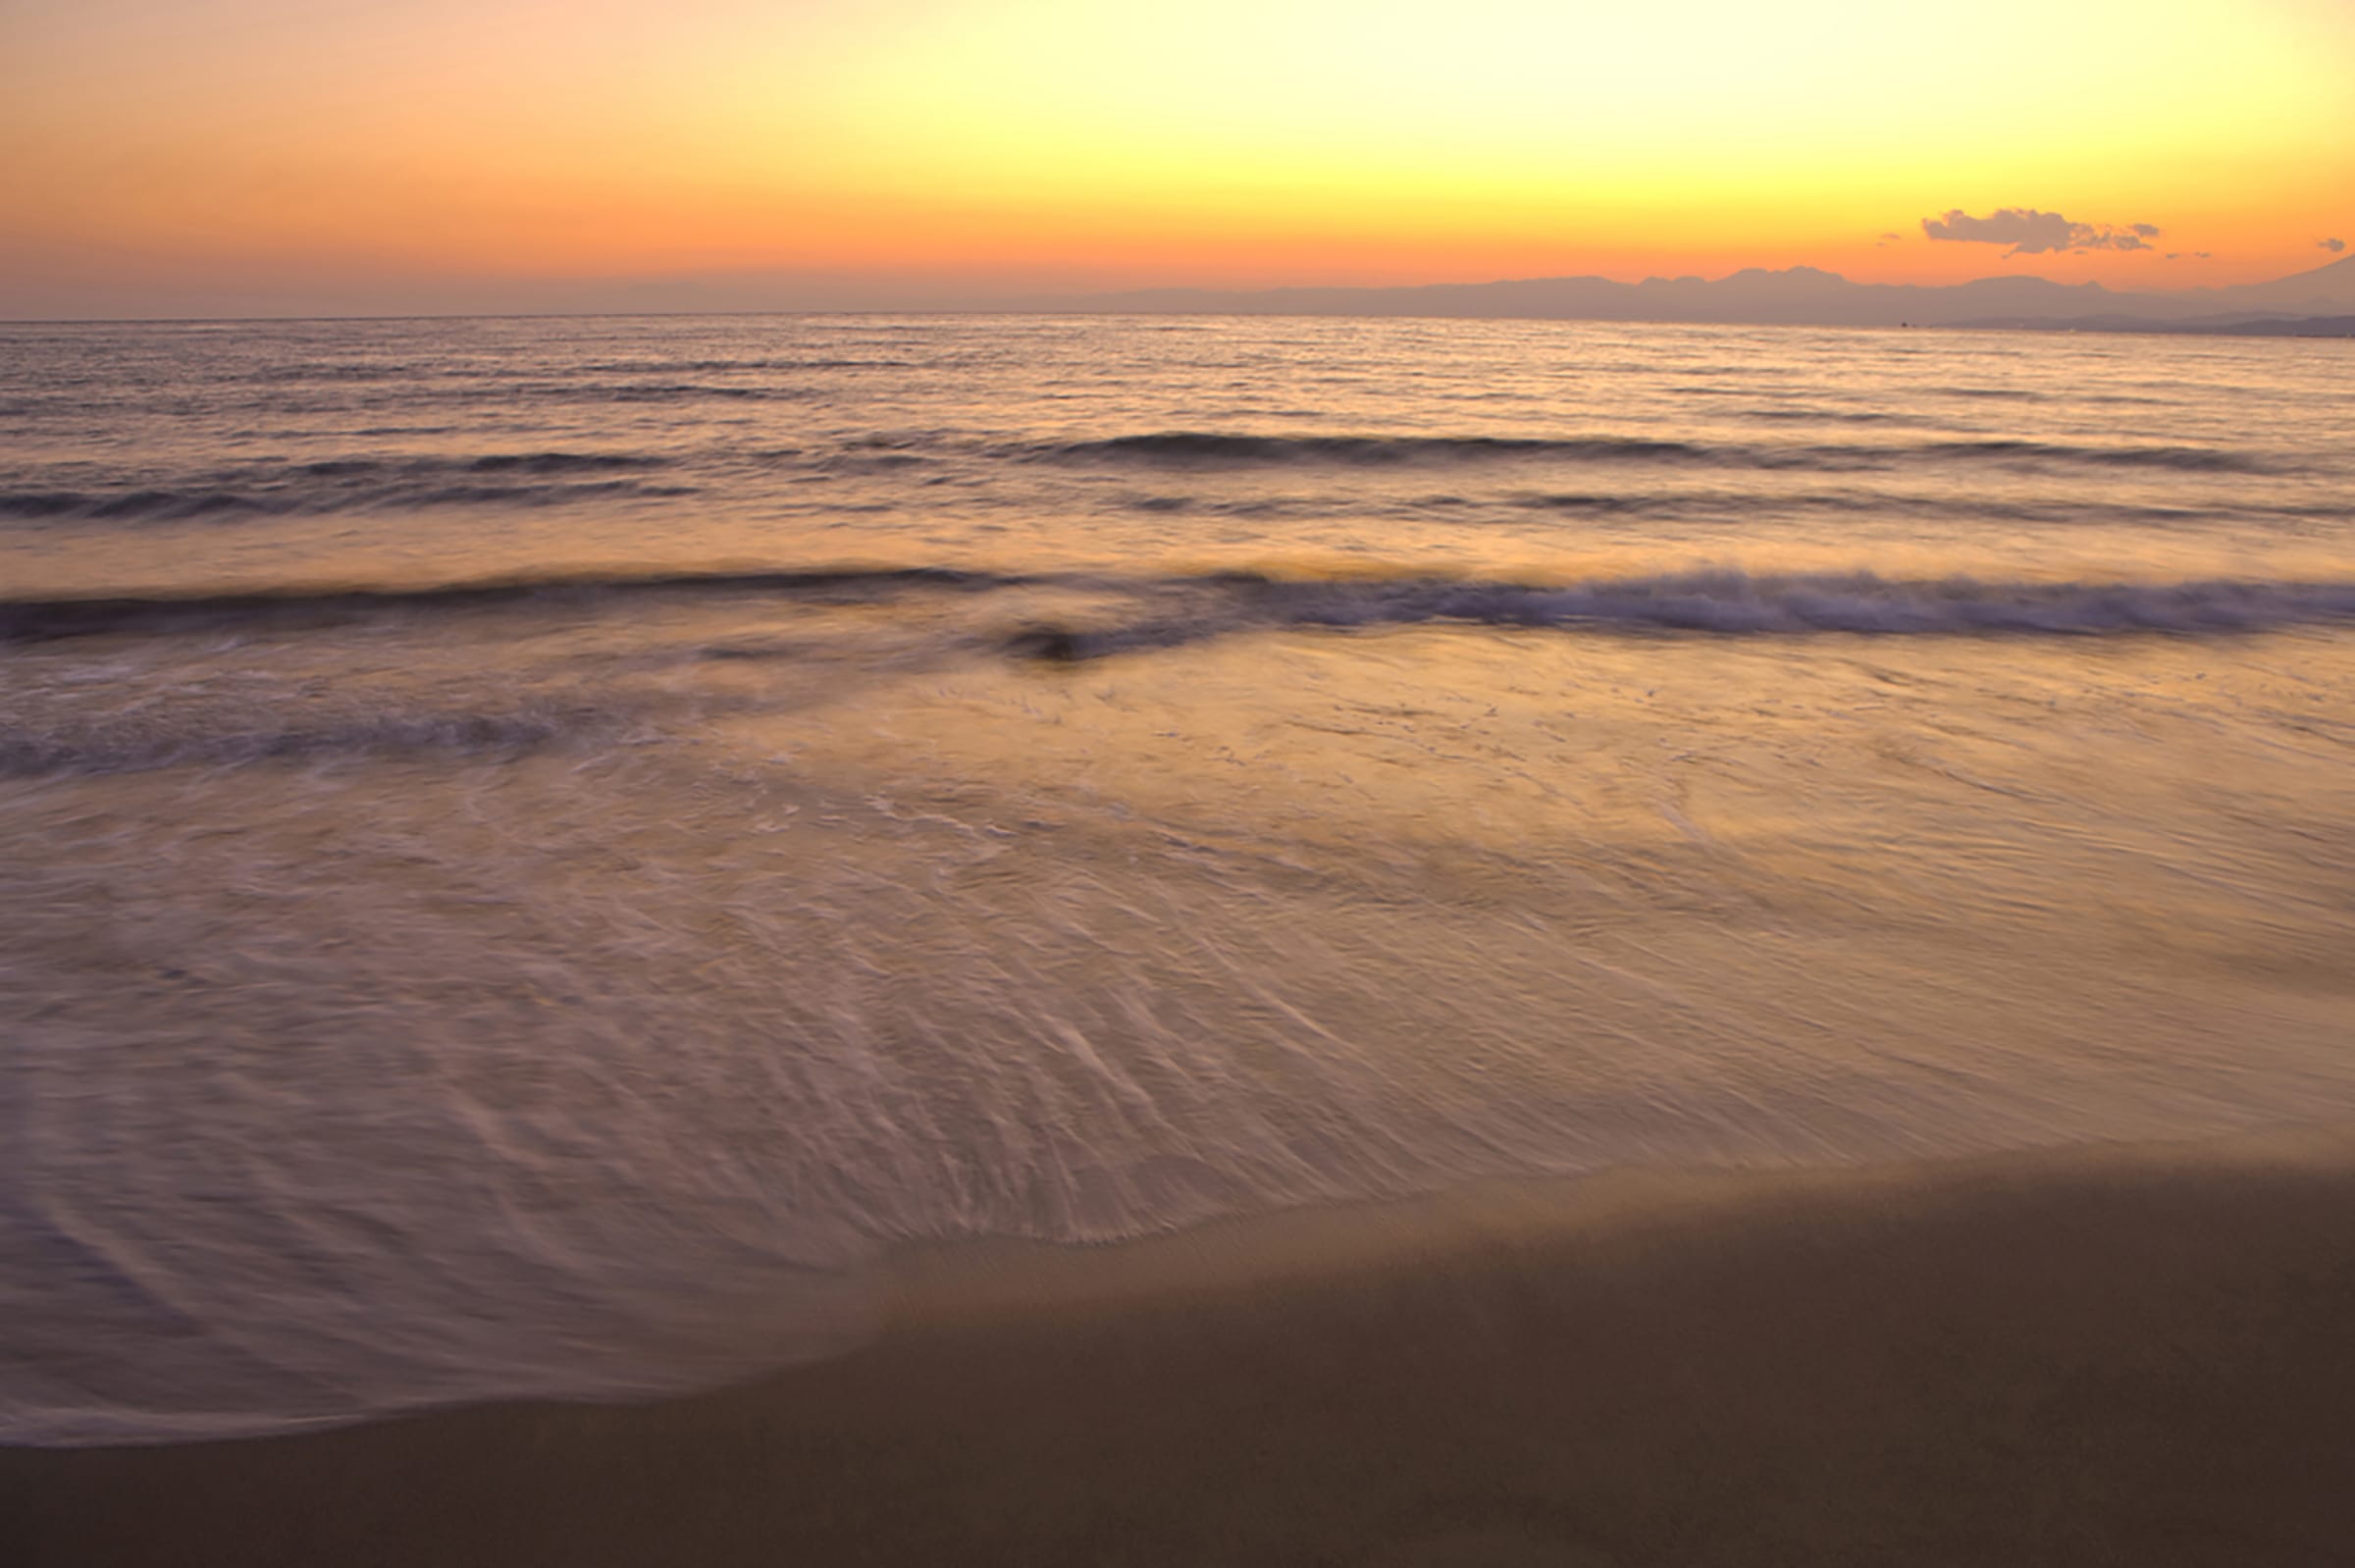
(2139, 1355)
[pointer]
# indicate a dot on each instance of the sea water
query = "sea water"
(533, 852)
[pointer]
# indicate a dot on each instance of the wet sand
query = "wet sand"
(2141, 1355)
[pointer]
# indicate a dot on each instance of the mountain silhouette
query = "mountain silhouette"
(1792, 296)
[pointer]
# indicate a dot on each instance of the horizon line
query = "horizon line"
(1077, 302)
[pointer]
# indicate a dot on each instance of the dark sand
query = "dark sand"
(2139, 1357)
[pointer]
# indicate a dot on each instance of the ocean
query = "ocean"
(535, 855)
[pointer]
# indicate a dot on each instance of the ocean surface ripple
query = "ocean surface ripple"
(540, 851)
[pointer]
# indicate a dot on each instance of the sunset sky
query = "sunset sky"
(183, 156)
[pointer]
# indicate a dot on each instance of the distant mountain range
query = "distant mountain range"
(2320, 304)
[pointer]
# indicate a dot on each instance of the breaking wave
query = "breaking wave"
(1213, 449)
(1714, 602)
(1735, 604)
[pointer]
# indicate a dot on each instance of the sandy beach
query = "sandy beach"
(2136, 1355)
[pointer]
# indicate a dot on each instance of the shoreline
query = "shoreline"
(2142, 1354)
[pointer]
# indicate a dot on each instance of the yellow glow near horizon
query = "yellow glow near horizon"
(1012, 143)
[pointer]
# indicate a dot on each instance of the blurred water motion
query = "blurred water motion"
(1127, 772)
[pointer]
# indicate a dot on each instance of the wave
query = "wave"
(34, 755)
(1731, 603)
(646, 391)
(46, 619)
(2195, 459)
(1818, 416)
(342, 371)
(1205, 449)
(137, 505)
(488, 463)
(1215, 450)
(186, 506)
(342, 484)
(1714, 602)
(705, 367)
(529, 494)
(1966, 507)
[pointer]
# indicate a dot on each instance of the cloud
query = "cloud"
(2334, 246)
(2030, 233)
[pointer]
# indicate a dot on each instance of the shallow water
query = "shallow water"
(924, 779)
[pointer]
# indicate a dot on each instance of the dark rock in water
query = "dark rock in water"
(1055, 645)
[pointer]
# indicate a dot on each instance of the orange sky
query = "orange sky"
(166, 155)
